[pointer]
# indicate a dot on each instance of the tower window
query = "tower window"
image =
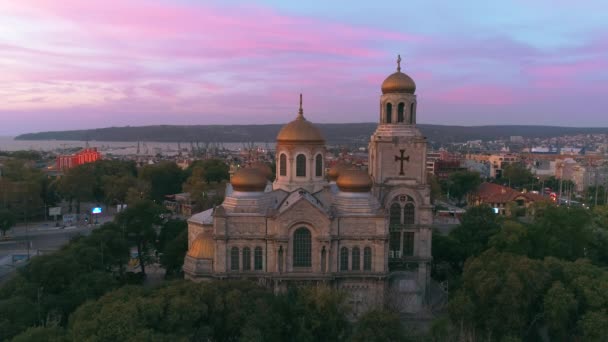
(412, 114)
(246, 259)
(400, 112)
(302, 248)
(395, 214)
(356, 259)
(344, 259)
(409, 214)
(301, 165)
(258, 261)
(234, 259)
(319, 165)
(389, 113)
(367, 259)
(408, 243)
(283, 165)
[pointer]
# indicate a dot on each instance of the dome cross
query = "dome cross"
(399, 63)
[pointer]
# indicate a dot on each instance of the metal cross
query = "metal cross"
(402, 158)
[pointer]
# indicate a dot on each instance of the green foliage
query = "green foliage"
(7, 220)
(52, 286)
(461, 183)
(519, 176)
(165, 178)
(213, 170)
(378, 326)
(42, 334)
(173, 244)
(477, 226)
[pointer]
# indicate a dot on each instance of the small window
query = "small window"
(356, 259)
(395, 214)
(367, 259)
(258, 259)
(389, 113)
(408, 243)
(301, 165)
(409, 214)
(319, 166)
(412, 113)
(344, 259)
(246, 259)
(234, 259)
(400, 112)
(302, 248)
(394, 244)
(283, 165)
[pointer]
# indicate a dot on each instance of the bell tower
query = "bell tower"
(397, 166)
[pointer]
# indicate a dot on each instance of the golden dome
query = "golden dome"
(248, 179)
(398, 82)
(334, 171)
(300, 130)
(202, 248)
(354, 181)
(263, 168)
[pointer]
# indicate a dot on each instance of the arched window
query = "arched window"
(302, 248)
(356, 259)
(389, 113)
(344, 259)
(395, 214)
(409, 213)
(367, 259)
(400, 112)
(258, 261)
(301, 165)
(323, 260)
(412, 114)
(319, 165)
(283, 165)
(246, 259)
(408, 243)
(234, 259)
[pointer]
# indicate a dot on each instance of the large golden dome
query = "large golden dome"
(248, 179)
(263, 168)
(300, 130)
(354, 181)
(334, 171)
(202, 248)
(398, 82)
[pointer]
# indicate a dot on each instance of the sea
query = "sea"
(120, 147)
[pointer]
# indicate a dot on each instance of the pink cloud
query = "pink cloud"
(478, 94)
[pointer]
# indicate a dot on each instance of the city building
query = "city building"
(506, 201)
(87, 155)
(365, 232)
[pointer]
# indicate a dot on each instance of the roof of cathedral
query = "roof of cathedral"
(354, 181)
(300, 130)
(205, 217)
(248, 179)
(202, 248)
(398, 82)
(297, 195)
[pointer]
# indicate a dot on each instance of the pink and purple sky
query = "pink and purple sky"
(75, 64)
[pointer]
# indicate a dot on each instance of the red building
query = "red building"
(88, 155)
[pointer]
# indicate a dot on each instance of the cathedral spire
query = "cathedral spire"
(301, 111)
(398, 63)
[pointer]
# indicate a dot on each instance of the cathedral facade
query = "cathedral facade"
(367, 232)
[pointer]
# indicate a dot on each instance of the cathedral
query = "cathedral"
(366, 232)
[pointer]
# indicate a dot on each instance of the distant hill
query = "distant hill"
(334, 133)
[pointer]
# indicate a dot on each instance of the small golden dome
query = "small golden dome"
(354, 181)
(202, 248)
(398, 83)
(300, 130)
(263, 168)
(334, 171)
(248, 179)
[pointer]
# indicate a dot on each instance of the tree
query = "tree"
(379, 325)
(42, 334)
(165, 178)
(462, 183)
(139, 222)
(518, 175)
(477, 226)
(78, 184)
(7, 220)
(173, 244)
(214, 170)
